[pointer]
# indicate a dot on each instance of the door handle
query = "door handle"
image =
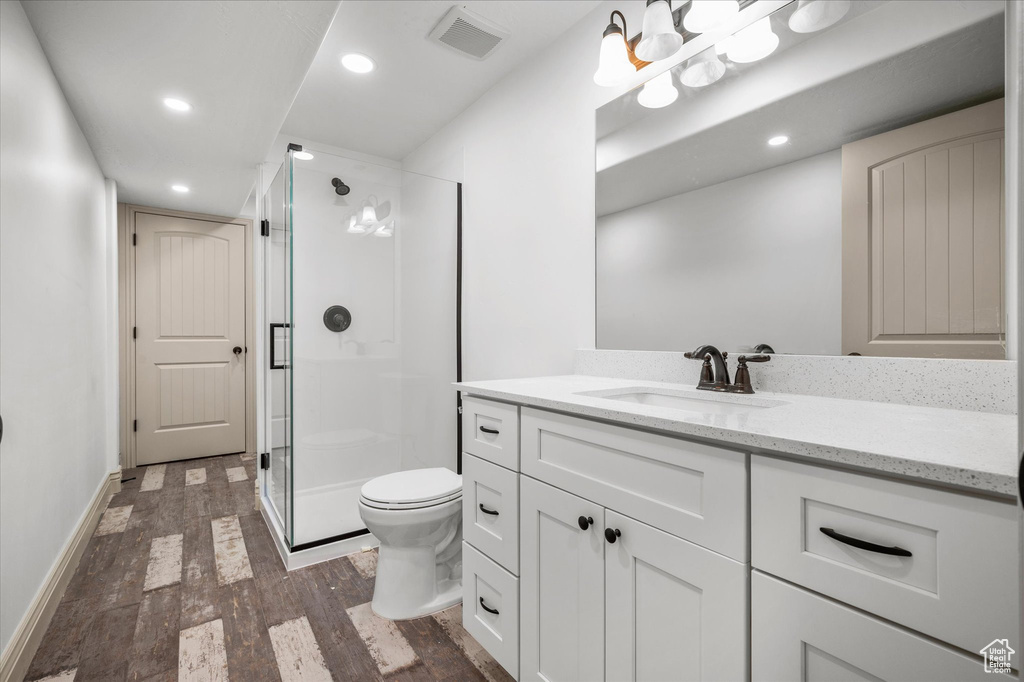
(237, 350)
(274, 364)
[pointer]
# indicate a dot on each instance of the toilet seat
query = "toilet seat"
(414, 489)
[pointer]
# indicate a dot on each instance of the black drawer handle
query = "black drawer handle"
(585, 522)
(486, 429)
(610, 535)
(487, 608)
(863, 544)
(485, 510)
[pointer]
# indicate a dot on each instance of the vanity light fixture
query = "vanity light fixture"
(659, 39)
(658, 92)
(754, 42)
(368, 213)
(177, 104)
(354, 227)
(702, 69)
(386, 231)
(180, 189)
(303, 156)
(358, 63)
(815, 15)
(614, 65)
(707, 15)
(778, 140)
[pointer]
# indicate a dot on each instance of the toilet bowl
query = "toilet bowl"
(417, 517)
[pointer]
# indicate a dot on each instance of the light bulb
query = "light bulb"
(707, 15)
(703, 69)
(659, 39)
(181, 189)
(303, 156)
(613, 66)
(658, 92)
(815, 15)
(778, 139)
(358, 63)
(177, 104)
(354, 227)
(386, 231)
(753, 43)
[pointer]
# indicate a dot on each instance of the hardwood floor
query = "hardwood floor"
(181, 581)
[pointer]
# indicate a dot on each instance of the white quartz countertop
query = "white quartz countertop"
(971, 450)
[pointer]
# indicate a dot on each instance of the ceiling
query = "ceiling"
(238, 63)
(708, 142)
(418, 85)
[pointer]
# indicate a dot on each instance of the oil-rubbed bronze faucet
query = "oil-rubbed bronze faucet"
(709, 354)
(718, 380)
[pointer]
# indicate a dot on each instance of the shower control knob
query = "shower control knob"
(585, 522)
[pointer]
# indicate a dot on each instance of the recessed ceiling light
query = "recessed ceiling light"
(177, 104)
(180, 188)
(358, 63)
(778, 139)
(303, 156)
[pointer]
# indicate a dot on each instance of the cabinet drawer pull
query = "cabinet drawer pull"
(487, 608)
(610, 535)
(485, 510)
(487, 429)
(863, 544)
(585, 522)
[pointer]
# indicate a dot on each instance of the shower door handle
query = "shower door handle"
(273, 345)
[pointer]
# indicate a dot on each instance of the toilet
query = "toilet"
(417, 517)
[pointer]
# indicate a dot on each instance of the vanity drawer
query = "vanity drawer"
(960, 583)
(490, 607)
(490, 430)
(797, 635)
(691, 490)
(490, 510)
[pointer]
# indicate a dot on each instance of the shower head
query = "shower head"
(340, 188)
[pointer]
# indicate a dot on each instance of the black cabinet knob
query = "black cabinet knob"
(612, 534)
(585, 522)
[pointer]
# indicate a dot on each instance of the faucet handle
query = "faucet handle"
(744, 359)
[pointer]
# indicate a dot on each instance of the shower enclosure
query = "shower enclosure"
(360, 287)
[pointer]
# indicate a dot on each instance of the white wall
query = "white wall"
(56, 267)
(752, 260)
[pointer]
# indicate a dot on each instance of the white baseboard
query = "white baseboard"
(17, 657)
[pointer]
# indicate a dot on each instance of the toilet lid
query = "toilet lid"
(417, 485)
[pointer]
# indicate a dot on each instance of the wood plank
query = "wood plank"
(93, 567)
(243, 498)
(154, 478)
(451, 622)
(170, 512)
(199, 589)
(250, 652)
(165, 561)
(441, 657)
(128, 573)
(298, 655)
(197, 501)
(915, 284)
(202, 656)
(987, 247)
(195, 476)
(114, 520)
(382, 638)
(937, 241)
(892, 250)
(236, 474)
(365, 563)
(349, 586)
(155, 642)
(961, 239)
(103, 651)
(60, 647)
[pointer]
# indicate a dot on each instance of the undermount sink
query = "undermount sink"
(715, 403)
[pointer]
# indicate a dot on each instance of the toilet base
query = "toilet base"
(449, 594)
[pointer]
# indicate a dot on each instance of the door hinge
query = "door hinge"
(135, 332)
(135, 425)
(265, 460)
(264, 228)
(135, 238)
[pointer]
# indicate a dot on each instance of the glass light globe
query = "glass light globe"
(707, 15)
(815, 15)
(659, 39)
(755, 42)
(613, 66)
(658, 92)
(702, 69)
(354, 227)
(368, 214)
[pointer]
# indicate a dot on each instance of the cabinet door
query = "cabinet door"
(800, 636)
(674, 610)
(561, 585)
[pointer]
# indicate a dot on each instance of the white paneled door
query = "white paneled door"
(190, 338)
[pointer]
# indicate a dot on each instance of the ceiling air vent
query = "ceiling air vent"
(469, 33)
